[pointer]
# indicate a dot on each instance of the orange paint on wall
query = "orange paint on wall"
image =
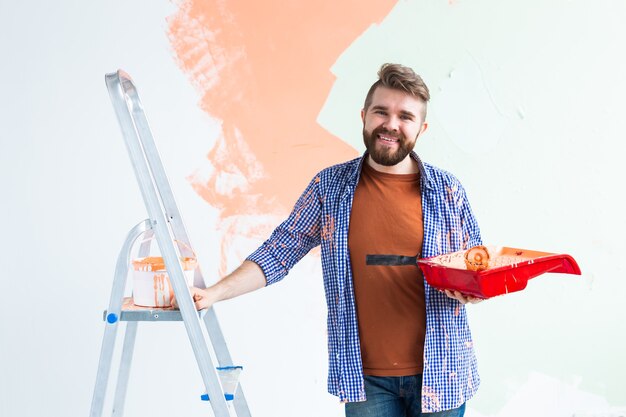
(263, 69)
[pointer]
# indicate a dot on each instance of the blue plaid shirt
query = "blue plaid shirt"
(321, 216)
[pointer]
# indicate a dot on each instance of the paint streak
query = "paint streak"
(263, 70)
(450, 193)
(328, 230)
(161, 284)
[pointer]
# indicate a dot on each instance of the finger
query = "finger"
(173, 302)
(455, 295)
(461, 297)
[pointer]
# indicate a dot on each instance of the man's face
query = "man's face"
(391, 125)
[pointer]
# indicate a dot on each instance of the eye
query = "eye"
(381, 112)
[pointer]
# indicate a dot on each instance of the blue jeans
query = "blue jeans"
(395, 396)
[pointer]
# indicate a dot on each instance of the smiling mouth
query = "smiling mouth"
(388, 139)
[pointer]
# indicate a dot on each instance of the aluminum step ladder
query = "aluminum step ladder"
(165, 224)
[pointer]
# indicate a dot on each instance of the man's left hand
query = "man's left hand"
(462, 298)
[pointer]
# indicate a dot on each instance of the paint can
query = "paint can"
(151, 282)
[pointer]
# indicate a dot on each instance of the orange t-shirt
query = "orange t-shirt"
(387, 218)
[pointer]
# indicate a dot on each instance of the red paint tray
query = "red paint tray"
(509, 271)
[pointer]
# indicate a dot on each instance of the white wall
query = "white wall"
(526, 110)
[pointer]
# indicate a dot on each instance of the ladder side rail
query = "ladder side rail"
(129, 345)
(132, 141)
(113, 319)
(153, 159)
(124, 373)
(165, 240)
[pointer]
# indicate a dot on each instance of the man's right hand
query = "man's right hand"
(200, 297)
(248, 277)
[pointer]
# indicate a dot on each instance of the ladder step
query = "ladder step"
(131, 312)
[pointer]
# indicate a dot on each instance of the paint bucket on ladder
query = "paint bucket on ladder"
(151, 282)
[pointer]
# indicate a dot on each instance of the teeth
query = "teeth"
(388, 139)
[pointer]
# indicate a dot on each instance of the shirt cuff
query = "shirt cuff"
(273, 269)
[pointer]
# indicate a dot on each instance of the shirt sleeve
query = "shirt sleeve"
(293, 238)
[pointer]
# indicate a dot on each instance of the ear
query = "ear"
(424, 127)
(363, 115)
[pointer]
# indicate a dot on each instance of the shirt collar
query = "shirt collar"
(425, 180)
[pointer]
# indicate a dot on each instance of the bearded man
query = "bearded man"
(397, 347)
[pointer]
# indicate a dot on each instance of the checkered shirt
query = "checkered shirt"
(321, 216)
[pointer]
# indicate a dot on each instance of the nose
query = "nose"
(392, 123)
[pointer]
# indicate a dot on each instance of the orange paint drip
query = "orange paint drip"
(159, 290)
(267, 86)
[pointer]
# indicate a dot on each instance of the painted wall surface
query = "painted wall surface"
(246, 103)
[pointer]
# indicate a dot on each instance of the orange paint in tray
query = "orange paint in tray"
(151, 283)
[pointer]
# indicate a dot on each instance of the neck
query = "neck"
(407, 166)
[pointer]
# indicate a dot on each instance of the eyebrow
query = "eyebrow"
(378, 107)
(403, 112)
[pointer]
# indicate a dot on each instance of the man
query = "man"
(397, 347)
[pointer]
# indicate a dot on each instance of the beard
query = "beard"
(384, 155)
